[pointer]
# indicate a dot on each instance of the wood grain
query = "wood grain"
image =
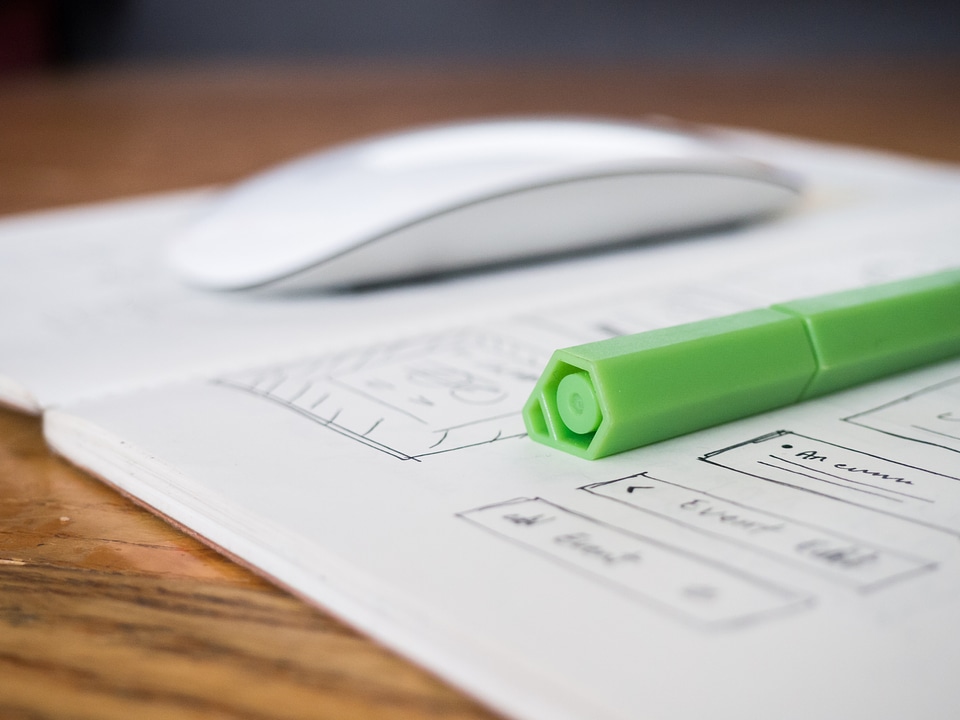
(106, 611)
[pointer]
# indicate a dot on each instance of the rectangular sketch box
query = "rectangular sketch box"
(864, 479)
(930, 416)
(409, 399)
(825, 552)
(672, 580)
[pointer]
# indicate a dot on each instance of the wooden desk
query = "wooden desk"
(105, 611)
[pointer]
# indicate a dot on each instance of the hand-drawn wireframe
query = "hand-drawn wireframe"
(429, 395)
(930, 416)
(859, 478)
(698, 590)
(826, 552)
(410, 398)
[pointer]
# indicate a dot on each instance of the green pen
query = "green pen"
(605, 397)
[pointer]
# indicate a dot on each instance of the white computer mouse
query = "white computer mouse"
(450, 197)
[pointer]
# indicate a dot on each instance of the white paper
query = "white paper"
(802, 563)
(719, 574)
(723, 573)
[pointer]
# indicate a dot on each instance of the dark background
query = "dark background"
(77, 33)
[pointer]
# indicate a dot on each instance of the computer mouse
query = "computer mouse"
(468, 195)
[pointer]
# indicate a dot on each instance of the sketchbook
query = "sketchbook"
(367, 452)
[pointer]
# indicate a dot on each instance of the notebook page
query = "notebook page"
(722, 574)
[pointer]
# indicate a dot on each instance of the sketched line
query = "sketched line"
(790, 599)
(936, 432)
(906, 398)
(914, 437)
(498, 438)
(491, 418)
(442, 438)
(602, 489)
(826, 494)
(329, 424)
(378, 401)
(828, 482)
(848, 480)
(372, 427)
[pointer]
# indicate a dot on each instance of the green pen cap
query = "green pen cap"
(605, 397)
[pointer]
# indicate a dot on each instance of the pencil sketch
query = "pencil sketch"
(411, 398)
(693, 588)
(930, 416)
(827, 552)
(851, 476)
